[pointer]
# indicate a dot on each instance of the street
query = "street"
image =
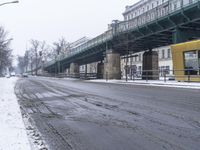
(81, 115)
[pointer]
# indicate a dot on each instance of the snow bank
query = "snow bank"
(191, 85)
(12, 130)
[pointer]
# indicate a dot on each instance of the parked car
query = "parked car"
(12, 74)
(7, 76)
(25, 75)
(18, 75)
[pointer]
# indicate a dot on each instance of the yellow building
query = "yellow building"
(186, 61)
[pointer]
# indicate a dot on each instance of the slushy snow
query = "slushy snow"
(12, 130)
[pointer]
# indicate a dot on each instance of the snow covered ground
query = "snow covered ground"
(191, 85)
(12, 130)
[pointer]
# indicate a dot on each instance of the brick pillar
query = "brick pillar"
(74, 70)
(112, 66)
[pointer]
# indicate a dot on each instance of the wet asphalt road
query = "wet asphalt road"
(78, 115)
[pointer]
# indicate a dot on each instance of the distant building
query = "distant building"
(91, 68)
(143, 6)
(138, 10)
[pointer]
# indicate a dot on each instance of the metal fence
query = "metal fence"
(187, 75)
(85, 76)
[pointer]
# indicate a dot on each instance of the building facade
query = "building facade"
(186, 60)
(134, 62)
(89, 68)
(143, 6)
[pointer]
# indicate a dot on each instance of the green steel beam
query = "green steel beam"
(169, 26)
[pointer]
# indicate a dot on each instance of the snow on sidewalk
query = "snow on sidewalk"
(12, 130)
(191, 85)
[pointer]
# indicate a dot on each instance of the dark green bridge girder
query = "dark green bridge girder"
(179, 26)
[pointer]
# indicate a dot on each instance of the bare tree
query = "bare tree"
(61, 47)
(5, 51)
(36, 54)
(40, 52)
(35, 45)
(45, 51)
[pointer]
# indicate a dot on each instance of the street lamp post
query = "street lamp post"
(9, 3)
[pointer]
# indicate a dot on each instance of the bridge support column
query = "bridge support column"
(100, 70)
(150, 66)
(74, 70)
(112, 66)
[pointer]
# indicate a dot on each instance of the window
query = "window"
(140, 69)
(199, 59)
(191, 61)
(136, 59)
(126, 18)
(148, 17)
(162, 68)
(168, 53)
(130, 16)
(170, 6)
(167, 69)
(152, 16)
(139, 57)
(131, 59)
(163, 54)
(152, 5)
(175, 6)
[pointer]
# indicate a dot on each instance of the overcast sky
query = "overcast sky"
(51, 19)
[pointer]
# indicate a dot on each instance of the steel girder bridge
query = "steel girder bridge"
(157, 27)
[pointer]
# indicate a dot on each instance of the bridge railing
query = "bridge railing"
(165, 75)
(85, 76)
(153, 14)
(91, 43)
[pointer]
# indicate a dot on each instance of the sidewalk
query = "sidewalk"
(161, 83)
(12, 130)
